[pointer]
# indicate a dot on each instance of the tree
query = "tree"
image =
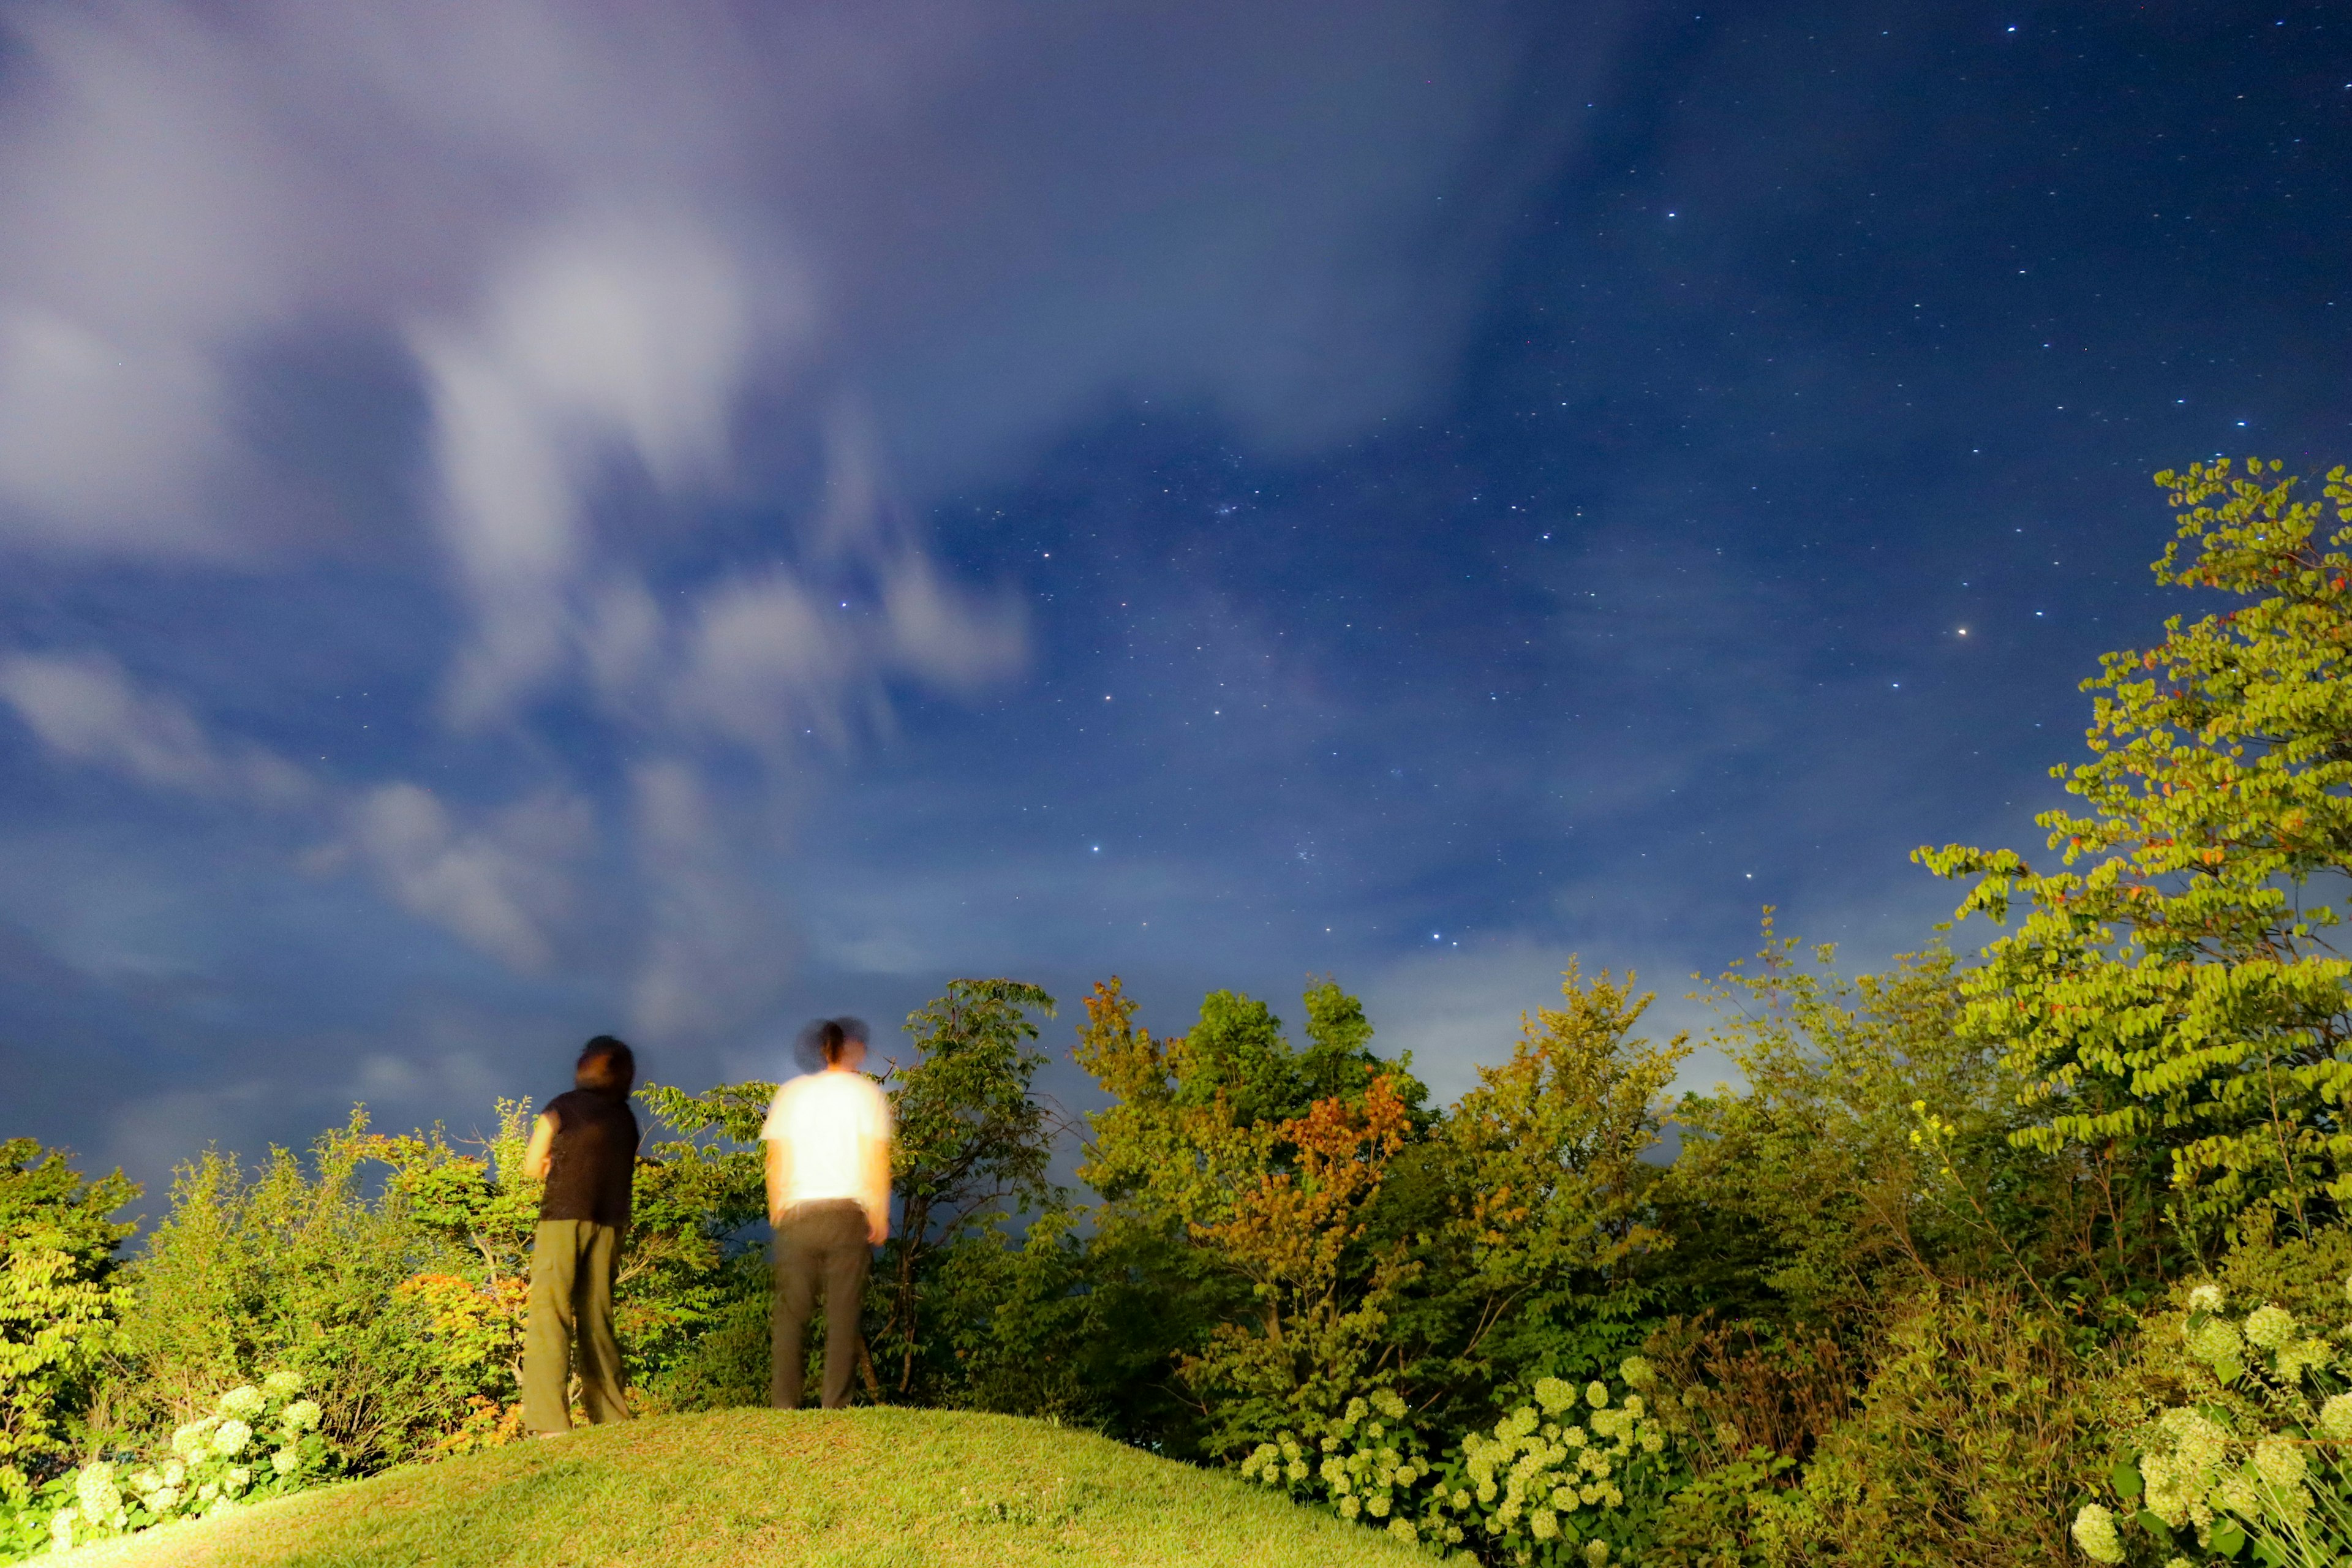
(297, 1268)
(1244, 1170)
(60, 1299)
(970, 1139)
(1529, 1202)
(1866, 1152)
(2173, 987)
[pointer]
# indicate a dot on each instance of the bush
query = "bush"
(2233, 1418)
(58, 1302)
(260, 1440)
(1971, 1439)
(297, 1268)
(1577, 1475)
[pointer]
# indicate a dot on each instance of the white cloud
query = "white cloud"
(637, 260)
(721, 946)
(500, 885)
(84, 708)
(617, 340)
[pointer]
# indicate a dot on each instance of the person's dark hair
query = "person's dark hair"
(822, 1043)
(605, 1064)
(840, 1033)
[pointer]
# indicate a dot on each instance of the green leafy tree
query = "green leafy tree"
(1529, 1205)
(692, 1298)
(973, 1141)
(2173, 987)
(296, 1266)
(59, 1300)
(1865, 1153)
(1237, 1172)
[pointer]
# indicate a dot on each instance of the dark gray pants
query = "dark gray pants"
(820, 1245)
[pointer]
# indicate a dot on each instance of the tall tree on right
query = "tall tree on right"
(2173, 989)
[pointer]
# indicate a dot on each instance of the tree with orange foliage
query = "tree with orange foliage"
(1269, 1212)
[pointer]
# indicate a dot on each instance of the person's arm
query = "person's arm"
(543, 1147)
(780, 1178)
(875, 1185)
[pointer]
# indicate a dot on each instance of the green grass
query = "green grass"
(872, 1489)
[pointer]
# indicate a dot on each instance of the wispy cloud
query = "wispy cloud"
(84, 708)
(694, 315)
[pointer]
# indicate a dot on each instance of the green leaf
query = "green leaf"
(2155, 1527)
(2227, 1539)
(2125, 1479)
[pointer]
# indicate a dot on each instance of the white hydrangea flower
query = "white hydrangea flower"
(2208, 1297)
(1543, 1524)
(2281, 1464)
(2336, 1417)
(283, 1382)
(2216, 1341)
(1350, 1507)
(189, 1440)
(1596, 1552)
(229, 1441)
(1554, 1395)
(162, 1500)
(61, 1529)
(241, 1401)
(1404, 1531)
(238, 1479)
(1388, 1404)
(302, 1416)
(2302, 1356)
(1638, 1373)
(174, 1473)
(2095, 1532)
(2269, 1327)
(1596, 1393)
(96, 1488)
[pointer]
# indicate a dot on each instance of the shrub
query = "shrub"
(260, 1440)
(1576, 1476)
(295, 1268)
(59, 1302)
(2233, 1418)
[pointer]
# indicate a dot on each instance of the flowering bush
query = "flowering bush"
(1574, 1478)
(2258, 1448)
(260, 1441)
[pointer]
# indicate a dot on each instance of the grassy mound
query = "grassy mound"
(873, 1489)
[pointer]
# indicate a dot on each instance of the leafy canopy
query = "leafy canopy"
(2173, 982)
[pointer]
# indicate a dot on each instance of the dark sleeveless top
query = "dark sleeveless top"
(593, 1159)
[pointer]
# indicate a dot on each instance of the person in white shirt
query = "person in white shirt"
(828, 1138)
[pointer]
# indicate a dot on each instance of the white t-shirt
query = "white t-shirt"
(828, 1120)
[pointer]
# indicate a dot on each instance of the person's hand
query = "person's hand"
(878, 1231)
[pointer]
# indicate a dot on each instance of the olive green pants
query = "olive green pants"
(570, 1297)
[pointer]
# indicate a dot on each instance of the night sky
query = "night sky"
(525, 519)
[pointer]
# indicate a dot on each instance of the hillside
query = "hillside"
(865, 1489)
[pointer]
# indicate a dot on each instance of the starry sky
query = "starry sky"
(525, 519)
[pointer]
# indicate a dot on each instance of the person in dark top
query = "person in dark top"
(584, 1147)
